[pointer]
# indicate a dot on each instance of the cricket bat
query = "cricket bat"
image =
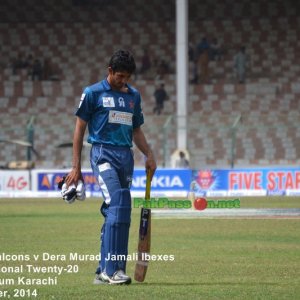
(144, 242)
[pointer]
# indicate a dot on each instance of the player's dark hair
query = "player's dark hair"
(122, 61)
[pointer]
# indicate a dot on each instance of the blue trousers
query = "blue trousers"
(113, 168)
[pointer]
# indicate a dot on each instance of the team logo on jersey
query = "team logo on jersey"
(120, 117)
(131, 104)
(108, 102)
(121, 102)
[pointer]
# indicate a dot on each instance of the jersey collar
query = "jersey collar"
(107, 86)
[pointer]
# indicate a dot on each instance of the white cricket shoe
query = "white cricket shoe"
(119, 277)
(98, 280)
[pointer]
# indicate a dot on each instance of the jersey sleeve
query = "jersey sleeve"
(138, 117)
(86, 105)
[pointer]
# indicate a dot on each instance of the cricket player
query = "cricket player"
(111, 109)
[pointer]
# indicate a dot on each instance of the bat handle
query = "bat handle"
(148, 186)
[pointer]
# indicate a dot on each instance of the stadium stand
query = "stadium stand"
(79, 36)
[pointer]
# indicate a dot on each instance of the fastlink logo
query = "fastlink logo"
(198, 203)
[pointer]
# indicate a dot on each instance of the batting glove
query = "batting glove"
(71, 193)
(80, 191)
(68, 193)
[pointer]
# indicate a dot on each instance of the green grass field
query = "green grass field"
(214, 258)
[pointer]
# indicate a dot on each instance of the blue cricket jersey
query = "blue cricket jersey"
(111, 115)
